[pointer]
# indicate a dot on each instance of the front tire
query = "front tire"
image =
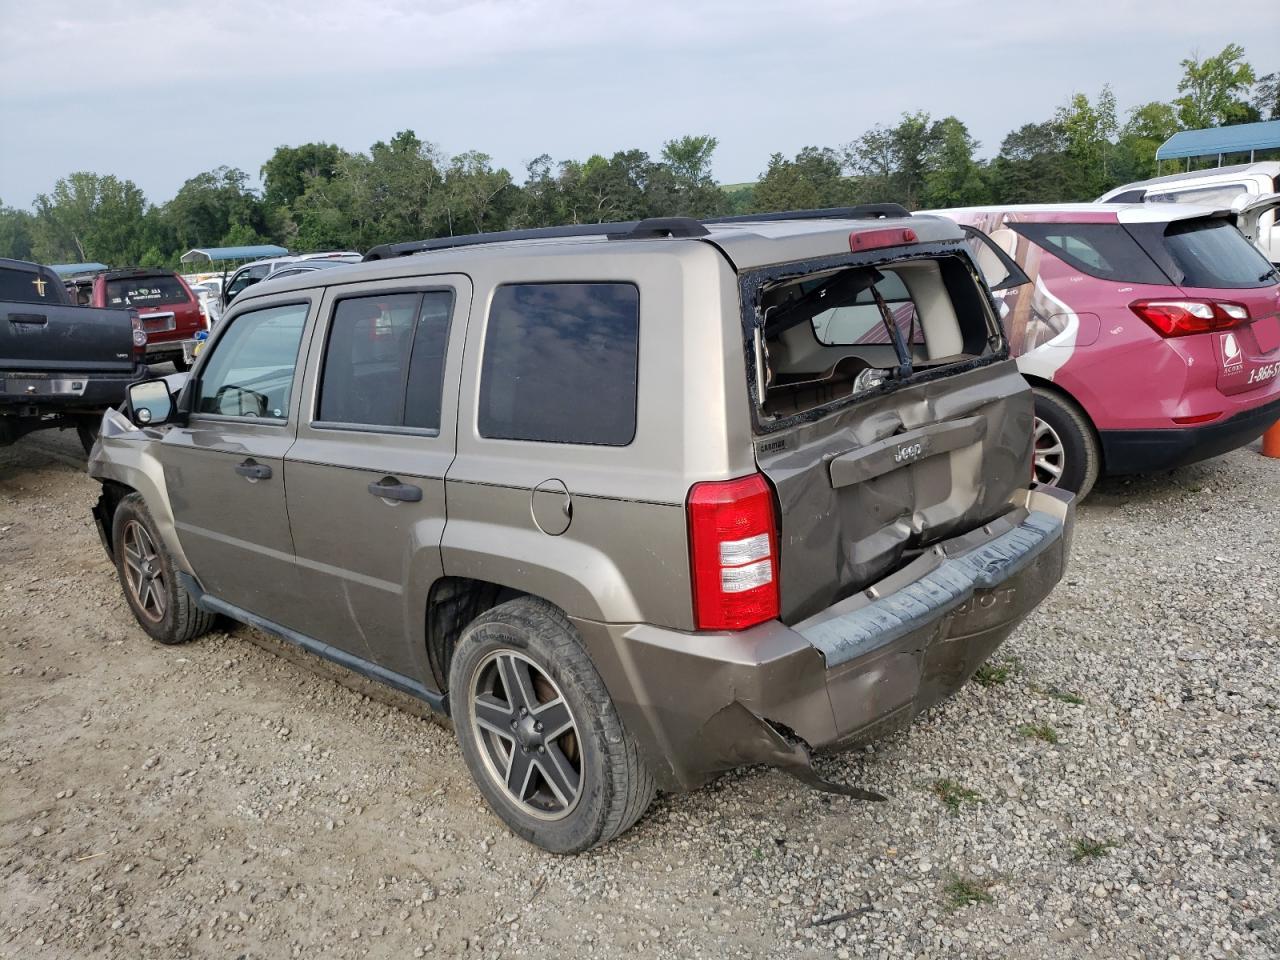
(1066, 451)
(539, 732)
(160, 604)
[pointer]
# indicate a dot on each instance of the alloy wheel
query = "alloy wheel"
(1048, 453)
(144, 572)
(527, 735)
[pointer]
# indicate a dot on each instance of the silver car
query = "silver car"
(631, 503)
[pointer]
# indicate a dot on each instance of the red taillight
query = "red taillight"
(861, 240)
(139, 335)
(733, 549)
(1181, 318)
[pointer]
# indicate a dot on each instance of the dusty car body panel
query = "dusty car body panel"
(698, 700)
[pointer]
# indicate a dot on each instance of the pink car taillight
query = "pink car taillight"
(1181, 318)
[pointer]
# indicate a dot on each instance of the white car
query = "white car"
(1250, 190)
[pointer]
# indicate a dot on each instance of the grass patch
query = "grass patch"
(963, 892)
(1082, 848)
(992, 674)
(1039, 731)
(1066, 696)
(954, 795)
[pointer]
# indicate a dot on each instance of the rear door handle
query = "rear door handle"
(36, 319)
(389, 488)
(252, 470)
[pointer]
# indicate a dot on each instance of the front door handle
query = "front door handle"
(35, 319)
(252, 470)
(389, 488)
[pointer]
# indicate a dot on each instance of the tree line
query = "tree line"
(318, 196)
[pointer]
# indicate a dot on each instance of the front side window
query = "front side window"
(560, 363)
(384, 362)
(251, 369)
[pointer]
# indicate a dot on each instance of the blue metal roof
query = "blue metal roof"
(1241, 138)
(260, 252)
(67, 269)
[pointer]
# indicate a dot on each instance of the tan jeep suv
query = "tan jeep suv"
(631, 503)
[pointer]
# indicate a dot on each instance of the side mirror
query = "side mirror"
(150, 403)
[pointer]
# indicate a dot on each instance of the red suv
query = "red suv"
(169, 311)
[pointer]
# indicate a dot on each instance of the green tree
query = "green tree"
(16, 227)
(1148, 126)
(814, 179)
(395, 191)
(1214, 90)
(1266, 97)
(1032, 165)
(286, 175)
(954, 178)
(89, 217)
(477, 198)
(218, 208)
(1088, 130)
(688, 162)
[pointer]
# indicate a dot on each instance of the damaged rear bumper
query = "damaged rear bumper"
(706, 702)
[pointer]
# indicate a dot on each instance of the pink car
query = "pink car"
(1150, 332)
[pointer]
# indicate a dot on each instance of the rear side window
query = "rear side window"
(384, 362)
(143, 292)
(1102, 250)
(560, 363)
(28, 286)
(1213, 253)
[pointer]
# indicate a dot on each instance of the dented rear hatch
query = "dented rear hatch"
(887, 414)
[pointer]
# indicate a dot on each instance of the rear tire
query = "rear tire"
(160, 604)
(180, 364)
(1066, 452)
(579, 788)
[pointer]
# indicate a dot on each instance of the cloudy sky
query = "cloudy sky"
(159, 91)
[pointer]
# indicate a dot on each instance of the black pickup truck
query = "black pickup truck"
(61, 365)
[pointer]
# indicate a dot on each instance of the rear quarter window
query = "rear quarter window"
(1103, 250)
(560, 363)
(28, 286)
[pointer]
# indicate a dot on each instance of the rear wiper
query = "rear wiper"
(840, 290)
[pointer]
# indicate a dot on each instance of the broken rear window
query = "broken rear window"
(839, 334)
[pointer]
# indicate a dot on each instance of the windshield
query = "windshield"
(144, 292)
(1213, 253)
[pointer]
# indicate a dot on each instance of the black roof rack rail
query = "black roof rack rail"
(661, 227)
(866, 211)
(652, 228)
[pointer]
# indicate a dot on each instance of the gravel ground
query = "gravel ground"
(1111, 789)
